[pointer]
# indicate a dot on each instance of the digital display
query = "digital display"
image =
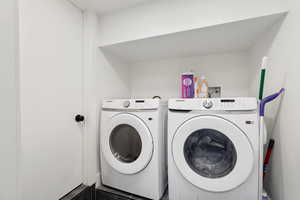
(139, 101)
(227, 100)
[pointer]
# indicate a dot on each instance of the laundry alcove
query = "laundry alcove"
(148, 51)
(140, 52)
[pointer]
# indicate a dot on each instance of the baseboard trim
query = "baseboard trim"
(98, 180)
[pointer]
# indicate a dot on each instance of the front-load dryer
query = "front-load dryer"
(133, 146)
(214, 149)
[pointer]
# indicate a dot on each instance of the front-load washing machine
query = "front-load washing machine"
(133, 146)
(214, 149)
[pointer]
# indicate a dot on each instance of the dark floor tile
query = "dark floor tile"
(107, 193)
(82, 192)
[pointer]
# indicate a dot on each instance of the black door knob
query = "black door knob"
(79, 118)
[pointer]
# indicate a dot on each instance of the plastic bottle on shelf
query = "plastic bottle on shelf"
(187, 85)
(203, 88)
(196, 87)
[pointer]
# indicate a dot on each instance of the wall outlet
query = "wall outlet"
(214, 92)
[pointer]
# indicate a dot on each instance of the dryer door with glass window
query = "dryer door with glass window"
(127, 144)
(212, 153)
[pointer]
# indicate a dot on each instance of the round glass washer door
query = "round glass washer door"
(127, 144)
(212, 153)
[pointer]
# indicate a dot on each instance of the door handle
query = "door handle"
(79, 118)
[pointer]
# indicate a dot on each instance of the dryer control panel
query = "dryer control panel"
(131, 104)
(228, 104)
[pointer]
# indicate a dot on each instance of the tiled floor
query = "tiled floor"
(82, 192)
(106, 193)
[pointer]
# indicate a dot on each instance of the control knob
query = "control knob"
(126, 104)
(208, 104)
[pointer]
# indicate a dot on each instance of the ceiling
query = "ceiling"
(104, 6)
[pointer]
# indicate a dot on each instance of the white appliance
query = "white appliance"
(214, 149)
(133, 146)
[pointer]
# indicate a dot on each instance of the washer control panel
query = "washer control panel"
(234, 104)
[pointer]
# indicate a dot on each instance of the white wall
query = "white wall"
(163, 17)
(162, 78)
(8, 100)
(283, 71)
(105, 77)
